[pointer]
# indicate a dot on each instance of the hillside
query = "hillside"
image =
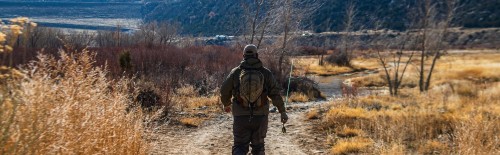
(72, 0)
(225, 16)
(209, 17)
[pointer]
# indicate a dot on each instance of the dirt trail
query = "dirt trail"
(215, 136)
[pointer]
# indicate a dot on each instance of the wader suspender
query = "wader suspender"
(260, 95)
(250, 104)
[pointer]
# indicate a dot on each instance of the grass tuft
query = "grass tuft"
(344, 116)
(191, 122)
(433, 147)
(298, 97)
(352, 146)
(350, 132)
(313, 114)
(327, 69)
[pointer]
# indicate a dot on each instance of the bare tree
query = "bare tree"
(167, 32)
(347, 41)
(35, 37)
(118, 36)
(351, 12)
(258, 16)
(78, 40)
(395, 70)
(278, 21)
(43, 37)
(287, 19)
(105, 39)
(282, 23)
(148, 33)
(433, 31)
(259, 4)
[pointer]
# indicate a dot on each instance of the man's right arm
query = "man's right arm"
(274, 93)
(226, 89)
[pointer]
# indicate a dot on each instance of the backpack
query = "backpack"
(251, 88)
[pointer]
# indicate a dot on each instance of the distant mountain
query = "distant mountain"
(71, 0)
(208, 17)
(204, 17)
(211, 17)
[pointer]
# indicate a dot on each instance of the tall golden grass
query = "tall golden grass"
(68, 106)
(310, 65)
(459, 115)
(442, 122)
(198, 108)
(188, 97)
(476, 68)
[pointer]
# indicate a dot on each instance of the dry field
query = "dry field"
(310, 65)
(478, 68)
(459, 115)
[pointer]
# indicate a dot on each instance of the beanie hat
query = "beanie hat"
(250, 50)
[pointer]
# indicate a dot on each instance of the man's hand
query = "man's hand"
(284, 118)
(227, 109)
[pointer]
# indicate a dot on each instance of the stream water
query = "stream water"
(331, 86)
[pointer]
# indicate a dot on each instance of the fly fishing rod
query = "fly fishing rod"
(289, 81)
(283, 129)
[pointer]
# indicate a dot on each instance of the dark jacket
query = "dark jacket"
(271, 88)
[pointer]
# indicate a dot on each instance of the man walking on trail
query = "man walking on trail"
(247, 88)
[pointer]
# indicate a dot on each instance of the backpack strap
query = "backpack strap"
(236, 85)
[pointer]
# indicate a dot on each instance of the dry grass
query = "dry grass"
(313, 114)
(393, 150)
(342, 116)
(204, 101)
(191, 122)
(441, 121)
(374, 80)
(350, 132)
(352, 146)
(366, 63)
(67, 106)
(298, 97)
(433, 147)
(327, 69)
(379, 80)
(310, 65)
(477, 68)
(459, 115)
(188, 97)
(197, 107)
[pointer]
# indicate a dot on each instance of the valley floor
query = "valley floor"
(215, 136)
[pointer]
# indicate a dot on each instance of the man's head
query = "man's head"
(250, 51)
